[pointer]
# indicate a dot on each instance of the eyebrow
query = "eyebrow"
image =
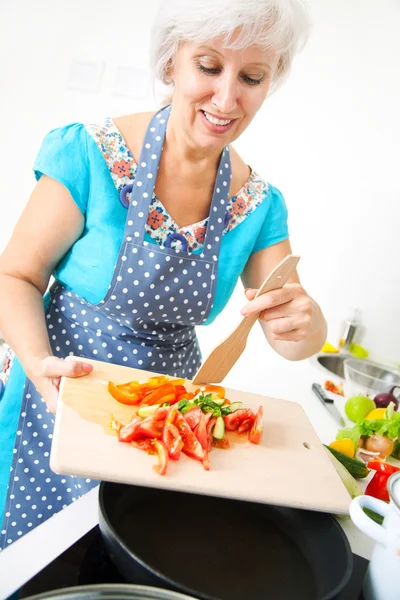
(253, 64)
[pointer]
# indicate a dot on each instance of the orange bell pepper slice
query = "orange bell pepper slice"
(217, 389)
(156, 396)
(122, 395)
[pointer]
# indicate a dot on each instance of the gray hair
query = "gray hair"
(278, 25)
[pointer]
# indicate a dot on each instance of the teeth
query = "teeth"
(216, 121)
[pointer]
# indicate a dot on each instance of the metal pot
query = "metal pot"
(219, 549)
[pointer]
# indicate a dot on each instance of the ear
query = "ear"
(169, 72)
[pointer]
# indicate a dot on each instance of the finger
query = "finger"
(269, 300)
(250, 293)
(295, 335)
(277, 312)
(281, 326)
(57, 367)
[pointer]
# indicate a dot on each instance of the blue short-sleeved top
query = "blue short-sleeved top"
(94, 163)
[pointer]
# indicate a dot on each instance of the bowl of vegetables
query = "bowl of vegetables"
(371, 379)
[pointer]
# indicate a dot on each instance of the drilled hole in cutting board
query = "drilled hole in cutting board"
(307, 445)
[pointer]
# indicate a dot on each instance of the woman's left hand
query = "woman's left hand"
(289, 312)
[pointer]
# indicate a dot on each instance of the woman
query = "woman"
(146, 222)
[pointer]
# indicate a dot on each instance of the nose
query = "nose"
(225, 96)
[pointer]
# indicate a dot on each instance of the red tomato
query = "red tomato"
(234, 420)
(146, 445)
(171, 436)
(210, 427)
(150, 427)
(224, 443)
(162, 454)
(247, 423)
(201, 432)
(129, 432)
(193, 417)
(191, 445)
(256, 431)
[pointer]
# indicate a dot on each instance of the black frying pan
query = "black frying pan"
(218, 549)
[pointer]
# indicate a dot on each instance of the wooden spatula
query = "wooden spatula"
(223, 357)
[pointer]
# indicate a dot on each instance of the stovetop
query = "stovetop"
(87, 562)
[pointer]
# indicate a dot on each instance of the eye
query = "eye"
(252, 80)
(208, 70)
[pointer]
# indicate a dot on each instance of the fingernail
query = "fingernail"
(243, 311)
(246, 290)
(87, 368)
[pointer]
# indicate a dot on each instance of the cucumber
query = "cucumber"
(351, 485)
(219, 428)
(356, 468)
(218, 400)
(235, 406)
(146, 411)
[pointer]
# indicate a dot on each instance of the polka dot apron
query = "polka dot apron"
(147, 320)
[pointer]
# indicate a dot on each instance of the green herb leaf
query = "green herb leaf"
(181, 404)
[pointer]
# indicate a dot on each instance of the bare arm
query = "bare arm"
(49, 225)
(293, 322)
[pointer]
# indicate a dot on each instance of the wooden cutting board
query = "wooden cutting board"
(290, 467)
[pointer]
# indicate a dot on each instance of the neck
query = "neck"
(183, 152)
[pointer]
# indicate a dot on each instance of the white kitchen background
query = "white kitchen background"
(329, 139)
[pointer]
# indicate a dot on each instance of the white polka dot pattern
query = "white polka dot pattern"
(146, 320)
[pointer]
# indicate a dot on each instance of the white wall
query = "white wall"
(329, 139)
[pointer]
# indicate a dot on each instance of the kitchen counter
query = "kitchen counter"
(288, 380)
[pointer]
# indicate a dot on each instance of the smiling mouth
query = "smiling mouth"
(216, 121)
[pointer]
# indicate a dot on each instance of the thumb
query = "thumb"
(250, 293)
(57, 367)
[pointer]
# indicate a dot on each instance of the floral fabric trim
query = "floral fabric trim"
(6, 363)
(160, 224)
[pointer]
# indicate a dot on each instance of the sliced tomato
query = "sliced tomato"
(193, 416)
(201, 433)
(256, 431)
(146, 445)
(210, 427)
(123, 395)
(171, 436)
(223, 444)
(217, 389)
(235, 419)
(150, 427)
(161, 413)
(130, 432)
(162, 455)
(247, 423)
(191, 445)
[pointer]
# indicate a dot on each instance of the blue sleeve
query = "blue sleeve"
(275, 226)
(63, 156)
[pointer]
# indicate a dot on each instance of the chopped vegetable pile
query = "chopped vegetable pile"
(171, 420)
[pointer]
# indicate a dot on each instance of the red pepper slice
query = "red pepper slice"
(379, 465)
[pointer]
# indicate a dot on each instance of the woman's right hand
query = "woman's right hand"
(48, 375)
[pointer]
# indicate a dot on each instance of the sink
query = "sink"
(333, 363)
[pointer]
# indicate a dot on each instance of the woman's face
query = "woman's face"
(218, 91)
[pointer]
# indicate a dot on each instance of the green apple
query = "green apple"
(357, 407)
